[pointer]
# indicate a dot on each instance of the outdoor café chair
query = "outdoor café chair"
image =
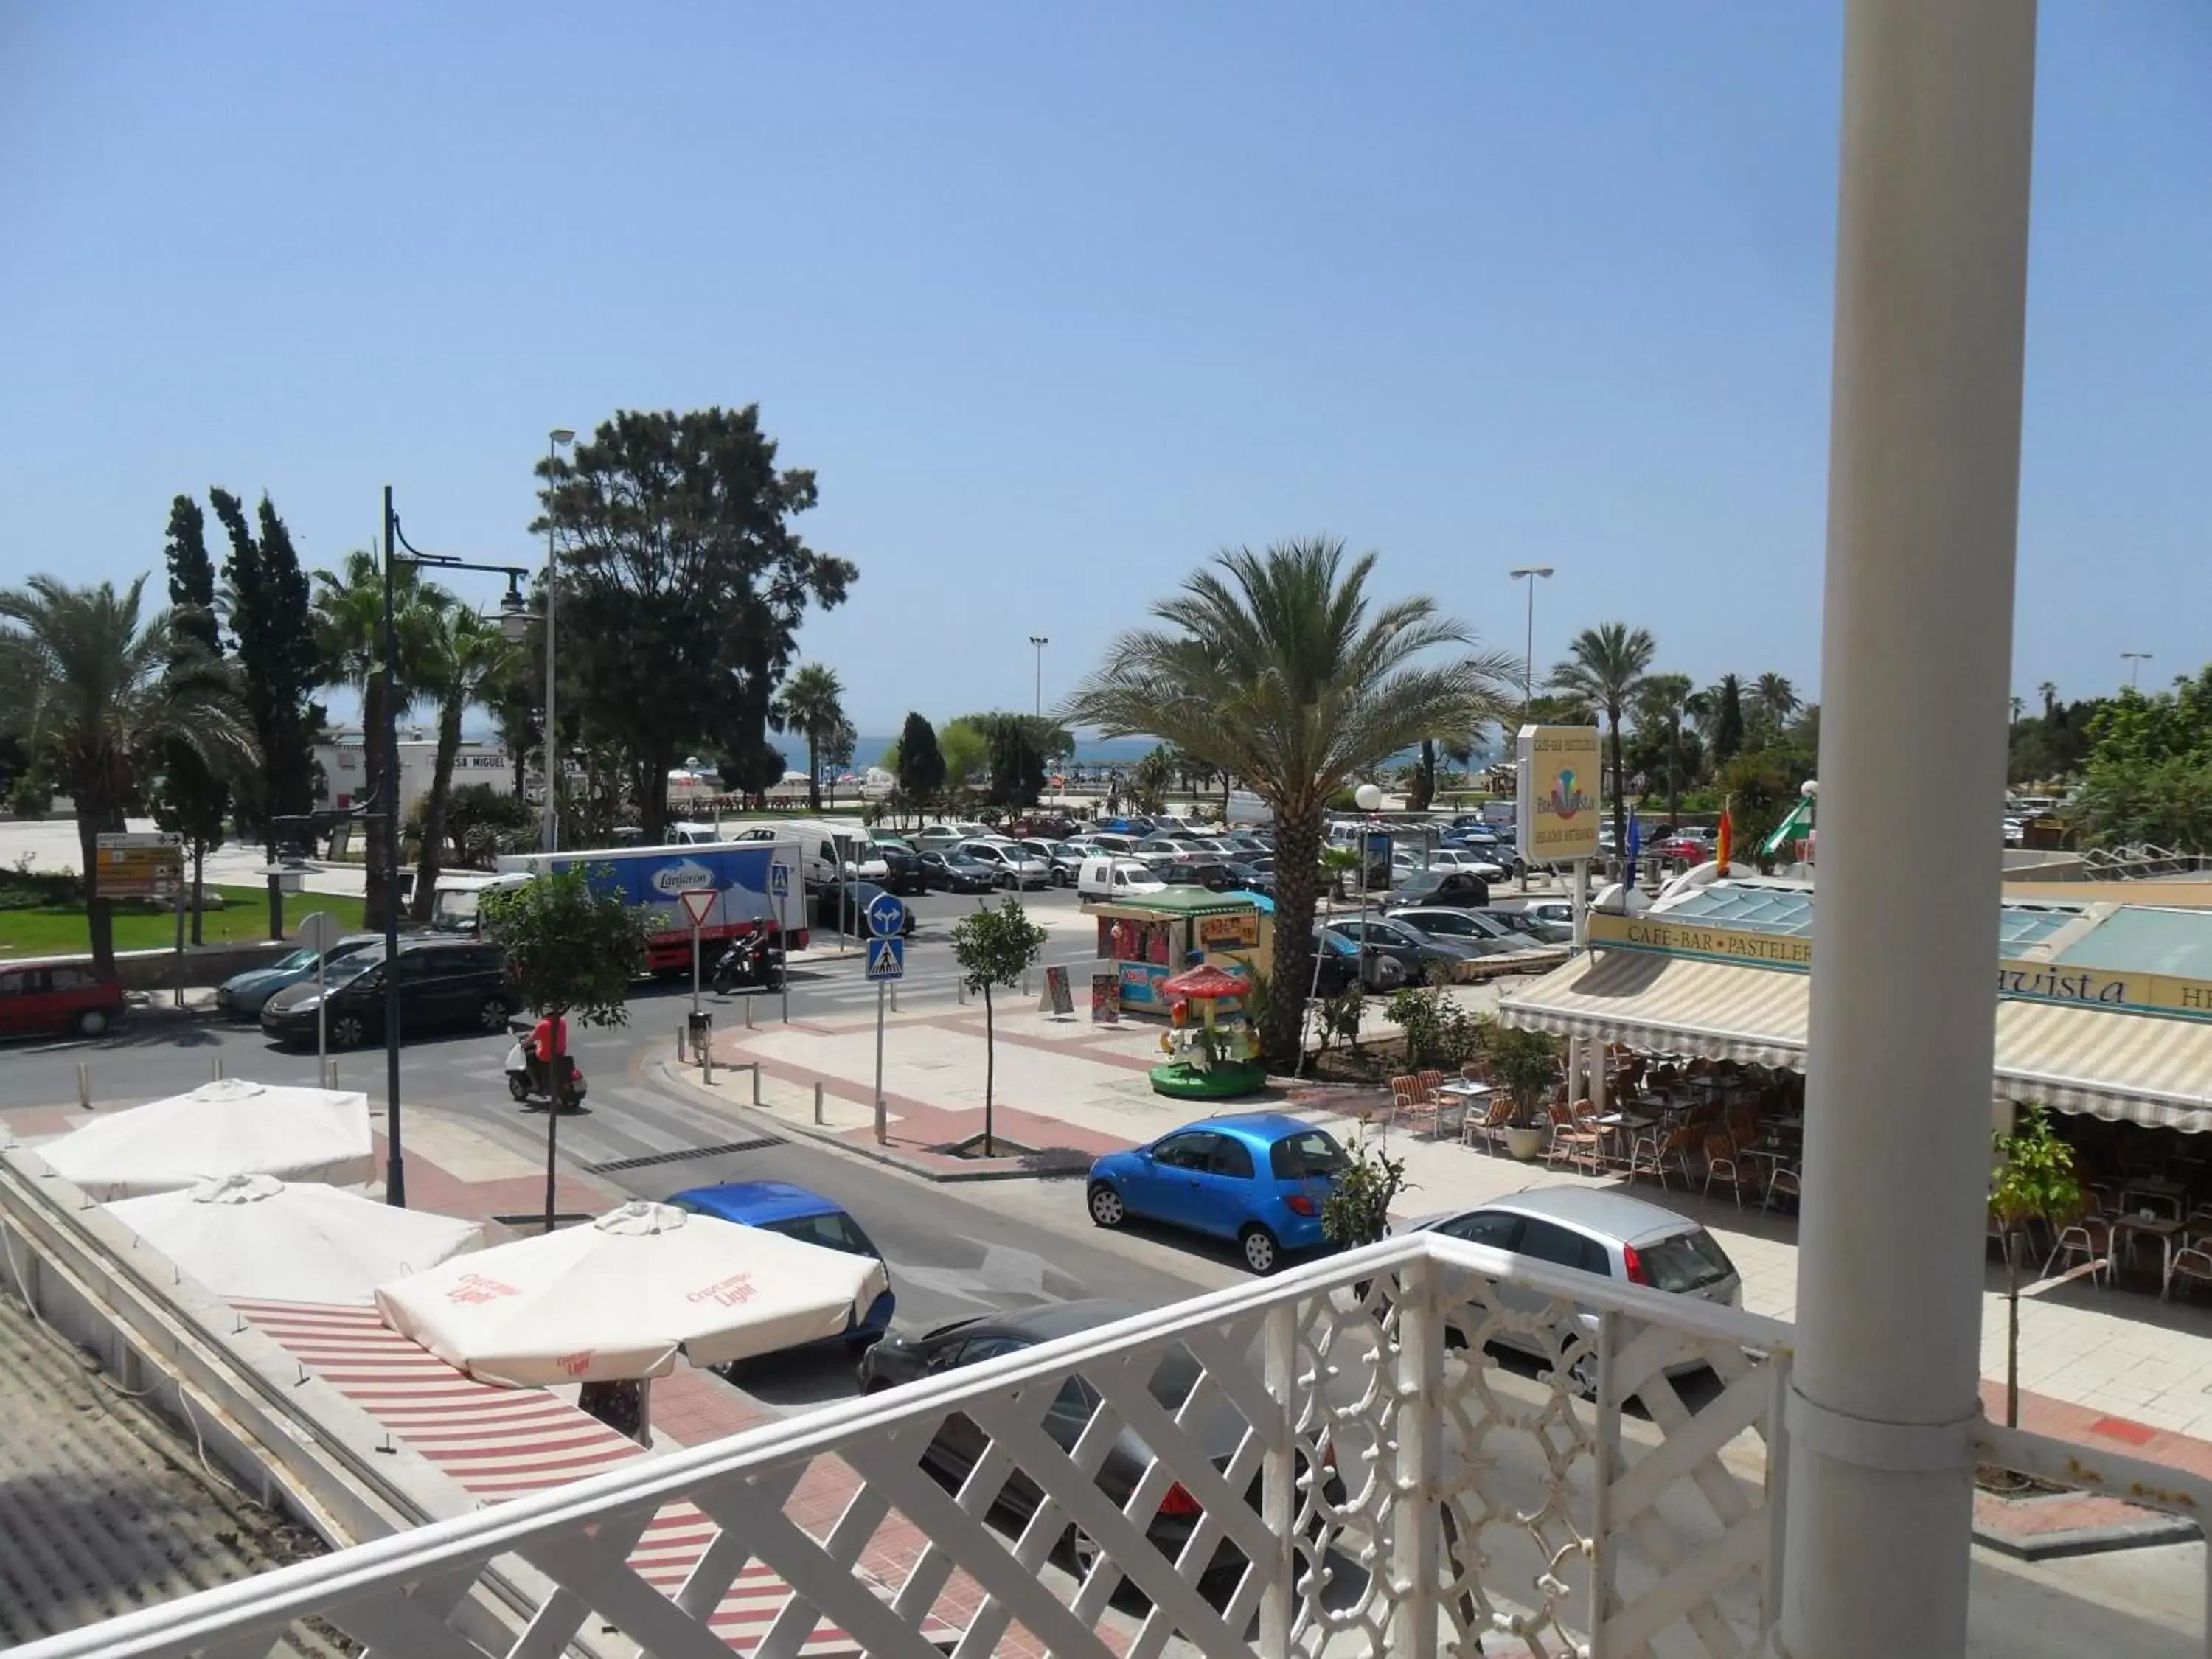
(1721, 1164)
(1784, 1182)
(1571, 1141)
(2090, 1237)
(1490, 1126)
(2192, 1263)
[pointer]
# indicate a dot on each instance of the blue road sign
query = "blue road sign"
(779, 880)
(886, 915)
(886, 959)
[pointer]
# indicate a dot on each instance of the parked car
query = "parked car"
(844, 906)
(1341, 961)
(902, 864)
(778, 1207)
(1041, 826)
(959, 1443)
(1067, 857)
(1257, 1177)
(241, 996)
(1545, 929)
(1607, 1234)
(1111, 841)
(1416, 952)
(1453, 887)
(1445, 859)
(41, 997)
(957, 872)
(1161, 849)
(1106, 877)
(1463, 927)
(1215, 875)
(443, 985)
(1016, 865)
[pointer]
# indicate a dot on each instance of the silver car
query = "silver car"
(1609, 1234)
(1016, 867)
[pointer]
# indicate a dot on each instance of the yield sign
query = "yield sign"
(699, 903)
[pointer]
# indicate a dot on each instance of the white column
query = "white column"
(1923, 487)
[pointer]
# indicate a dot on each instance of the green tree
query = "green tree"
(1276, 666)
(920, 767)
(838, 753)
(1726, 702)
(1604, 666)
(1357, 1209)
(994, 947)
(2034, 1182)
(272, 630)
(965, 751)
(812, 706)
(1661, 702)
(1775, 700)
(99, 693)
(466, 658)
(349, 641)
(193, 798)
(1150, 778)
(682, 584)
(1460, 751)
(571, 950)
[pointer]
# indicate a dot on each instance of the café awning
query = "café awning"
(2130, 1067)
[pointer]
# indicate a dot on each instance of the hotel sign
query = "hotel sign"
(2017, 980)
(1555, 812)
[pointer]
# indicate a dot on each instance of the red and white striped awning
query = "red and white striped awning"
(2136, 1068)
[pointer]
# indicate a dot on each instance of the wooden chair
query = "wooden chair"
(2089, 1236)
(1783, 1181)
(2192, 1263)
(1434, 1104)
(1675, 1149)
(1721, 1164)
(1405, 1097)
(1490, 1126)
(1572, 1142)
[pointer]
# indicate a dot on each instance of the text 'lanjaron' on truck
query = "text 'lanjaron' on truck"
(756, 883)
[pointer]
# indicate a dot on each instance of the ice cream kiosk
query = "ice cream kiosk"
(1150, 939)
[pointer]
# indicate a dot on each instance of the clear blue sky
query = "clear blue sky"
(1057, 299)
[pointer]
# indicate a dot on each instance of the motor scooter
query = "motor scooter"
(750, 961)
(526, 1072)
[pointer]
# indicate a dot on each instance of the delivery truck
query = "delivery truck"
(756, 883)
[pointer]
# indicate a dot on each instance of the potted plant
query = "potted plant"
(1524, 1064)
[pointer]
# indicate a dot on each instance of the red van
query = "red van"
(61, 996)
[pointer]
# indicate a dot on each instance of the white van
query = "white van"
(818, 840)
(1105, 877)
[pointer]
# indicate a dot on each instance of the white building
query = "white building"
(346, 772)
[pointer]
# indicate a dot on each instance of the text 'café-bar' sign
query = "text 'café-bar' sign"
(2031, 982)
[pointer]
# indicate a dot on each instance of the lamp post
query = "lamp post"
(514, 625)
(1040, 641)
(2134, 660)
(555, 440)
(1532, 572)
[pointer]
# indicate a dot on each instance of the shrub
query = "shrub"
(1358, 1208)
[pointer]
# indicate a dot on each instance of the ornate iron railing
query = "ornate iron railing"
(1354, 1468)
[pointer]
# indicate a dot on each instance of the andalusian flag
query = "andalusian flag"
(1727, 844)
(1795, 827)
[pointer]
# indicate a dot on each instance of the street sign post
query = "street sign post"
(318, 931)
(698, 905)
(886, 916)
(886, 963)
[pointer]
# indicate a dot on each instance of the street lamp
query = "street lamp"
(1528, 671)
(2134, 660)
(1040, 641)
(555, 440)
(514, 624)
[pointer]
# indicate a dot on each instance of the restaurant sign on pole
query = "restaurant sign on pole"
(139, 865)
(1557, 815)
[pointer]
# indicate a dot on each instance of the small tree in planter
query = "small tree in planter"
(2033, 1180)
(1524, 1064)
(1358, 1208)
(994, 947)
(569, 950)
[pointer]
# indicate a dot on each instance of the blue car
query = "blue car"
(1257, 1177)
(777, 1207)
(242, 995)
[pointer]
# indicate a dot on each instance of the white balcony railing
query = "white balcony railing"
(1383, 1484)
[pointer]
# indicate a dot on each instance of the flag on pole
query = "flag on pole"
(1727, 844)
(1635, 844)
(1792, 828)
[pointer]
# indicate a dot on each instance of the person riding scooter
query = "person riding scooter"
(529, 1064)
(750, 959)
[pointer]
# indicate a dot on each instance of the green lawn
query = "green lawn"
(59, 930)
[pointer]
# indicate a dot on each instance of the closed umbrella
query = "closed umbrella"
(229, 1127)
(256, 1239)
(622, 1298)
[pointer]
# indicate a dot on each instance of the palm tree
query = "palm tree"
(1725, 697)
(1668, 698)
(101, 696)
(2019, 706)
(350, 643)
(1275, 666)
(813, 706)
(1604, 666)
(466, 661)
(2049, 692)
(1776, 699)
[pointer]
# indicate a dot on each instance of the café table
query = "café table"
(2139, 1190)
(2165, 1229)
(1466, 1094)
(1619, 1127)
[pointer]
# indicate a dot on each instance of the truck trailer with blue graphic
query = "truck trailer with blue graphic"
(756, 883)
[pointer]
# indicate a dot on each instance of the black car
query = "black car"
(960, 1443)
(902, 865)
(1418, 955)
(443, 985)
(956, 872)
(1460, 889)
(1215, 875)
(845, 904)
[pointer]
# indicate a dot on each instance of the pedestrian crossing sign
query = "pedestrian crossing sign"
(886, 959)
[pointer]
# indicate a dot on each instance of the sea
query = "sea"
(1089, 752)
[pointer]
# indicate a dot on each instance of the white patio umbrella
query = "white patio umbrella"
(257, 1238)
(229, 1127)
(622, 1298)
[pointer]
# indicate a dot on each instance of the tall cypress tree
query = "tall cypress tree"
(275, 637)
(193, 798)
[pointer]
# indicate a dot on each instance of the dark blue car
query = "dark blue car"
(777, 1207)
(1257, 1177)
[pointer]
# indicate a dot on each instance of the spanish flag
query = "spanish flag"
(1727, 841)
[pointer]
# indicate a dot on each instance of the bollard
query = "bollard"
(817, 1103)
(1025, 982)
(757, 1083)
(84, 1086)
(895, 996)
(960, 989)
(749, 1013)
(331, 1075)
(217, 1074)
(683, 1051)
(707, 1062)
